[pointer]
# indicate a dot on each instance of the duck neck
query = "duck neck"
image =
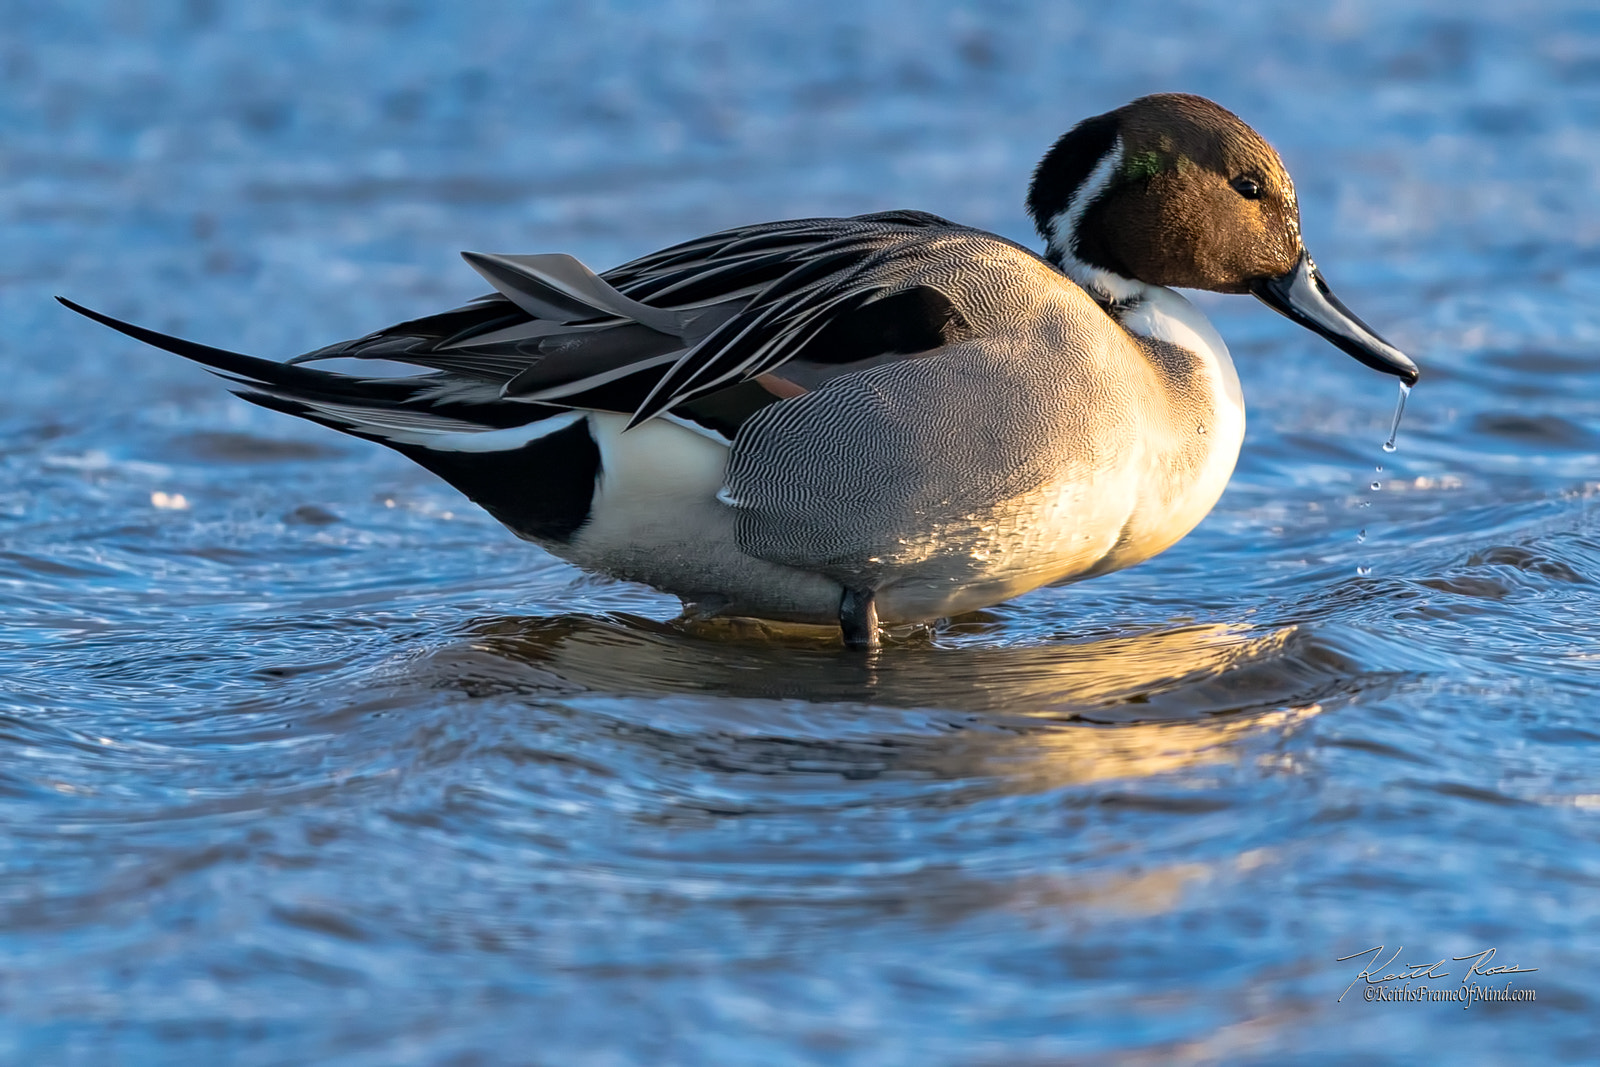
(1156, 313)
(1141, 308)
(1109, 289)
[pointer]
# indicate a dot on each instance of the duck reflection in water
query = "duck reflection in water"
(1129, 705)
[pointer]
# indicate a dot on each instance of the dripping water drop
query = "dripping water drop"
(1399, 410)
(1377, 485)
(1363, 571)
(1362, 536)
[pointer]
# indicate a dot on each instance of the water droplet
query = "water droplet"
(1363, 571)
(1399, 410)
(1362, 536)
(1199, 429)
(1377, 485)
(1379, 468)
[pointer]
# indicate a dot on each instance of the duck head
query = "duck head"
(1173, 190)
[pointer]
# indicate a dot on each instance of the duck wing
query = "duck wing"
(658, 333)
(853, 296)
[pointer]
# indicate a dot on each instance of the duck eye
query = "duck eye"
(1247, 187)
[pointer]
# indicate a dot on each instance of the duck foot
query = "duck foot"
(858, 619)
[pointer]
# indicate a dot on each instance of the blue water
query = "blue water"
(304, 759)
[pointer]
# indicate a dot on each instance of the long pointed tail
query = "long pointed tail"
(531, 466)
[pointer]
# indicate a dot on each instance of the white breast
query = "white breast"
(1200, 450)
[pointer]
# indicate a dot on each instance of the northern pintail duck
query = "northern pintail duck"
(890, 416)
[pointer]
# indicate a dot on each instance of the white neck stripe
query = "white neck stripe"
(1063, 235)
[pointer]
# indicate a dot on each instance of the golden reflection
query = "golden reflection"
(1176, 674)
(1048, 759)
(1016, 718)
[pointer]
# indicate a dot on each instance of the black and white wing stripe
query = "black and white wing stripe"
(657, 333)
(653, 336)
(797, 281)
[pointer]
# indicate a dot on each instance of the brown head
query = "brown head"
(1173, 190)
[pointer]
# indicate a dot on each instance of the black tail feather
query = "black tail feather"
(287, 386)
(541, 488)
(254, 371)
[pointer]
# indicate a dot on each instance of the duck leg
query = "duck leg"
(858, 618)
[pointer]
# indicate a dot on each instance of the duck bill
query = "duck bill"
(1303, 296)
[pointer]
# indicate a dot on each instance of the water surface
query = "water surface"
(304, 759)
